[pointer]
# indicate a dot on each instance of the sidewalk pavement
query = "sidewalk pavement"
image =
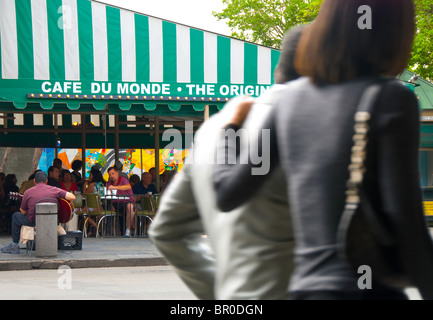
(95, 253)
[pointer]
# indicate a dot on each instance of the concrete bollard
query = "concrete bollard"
(46, 229)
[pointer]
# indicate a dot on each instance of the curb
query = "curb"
(41, 263)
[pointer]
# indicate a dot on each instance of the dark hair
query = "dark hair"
(9, 180)
(76, 164)
(134, 178)
(51, 169)
(65, 172)
(285, 70)
(97, 176)
(112, 168)
(334, 48)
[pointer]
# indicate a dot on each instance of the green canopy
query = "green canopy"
(74, 67)
(65, 57)
(423, 90)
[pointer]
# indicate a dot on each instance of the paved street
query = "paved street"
(126, 283)
(110, 268)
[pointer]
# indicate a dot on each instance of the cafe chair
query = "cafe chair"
(156, 199)
(146, 212)
(93, 202)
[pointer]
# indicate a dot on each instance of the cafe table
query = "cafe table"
(109, 197)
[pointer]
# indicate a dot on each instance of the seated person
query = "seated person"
(67, 183)
(144, 186)
(26, 215)
(29, 183)
(76, 175)
(95, 184)
(54, 177)
(133, 180)
(126, 204)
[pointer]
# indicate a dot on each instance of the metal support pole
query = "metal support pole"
(206, 112)
(156, 137)
(116, 138)
(83, 145)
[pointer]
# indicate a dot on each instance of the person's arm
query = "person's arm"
(70, 196)
(78, 176)
(24, 205)
(398, 180)
(176, 224)
(65, 195)
(125, 186)
(89, 188)
(236, 183)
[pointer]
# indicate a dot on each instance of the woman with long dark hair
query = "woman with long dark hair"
(311, 130)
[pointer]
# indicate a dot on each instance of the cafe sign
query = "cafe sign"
(89, 89)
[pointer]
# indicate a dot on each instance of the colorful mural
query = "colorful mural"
(135, 161)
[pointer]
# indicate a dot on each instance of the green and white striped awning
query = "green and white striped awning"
(72, 55)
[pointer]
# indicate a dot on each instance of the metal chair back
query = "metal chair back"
(93, 201)
(147, 206)
(78, 202)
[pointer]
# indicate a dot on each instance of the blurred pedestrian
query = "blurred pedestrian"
(245, 254)
(311, 129)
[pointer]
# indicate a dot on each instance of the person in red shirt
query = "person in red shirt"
(26, 215)
(126, 203)
(67, 183)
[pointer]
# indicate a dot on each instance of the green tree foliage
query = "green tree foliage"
(265, 22)
(421, 61)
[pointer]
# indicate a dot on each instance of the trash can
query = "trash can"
(46, 229)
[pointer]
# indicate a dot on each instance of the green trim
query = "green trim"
(223, 59)
(154, 108)
(85, 36)
(197, 56)
(56, 40)
(25, 40)
(142, 47)
(275, 57)
(250, 63)
(114, 44)
(169, 52)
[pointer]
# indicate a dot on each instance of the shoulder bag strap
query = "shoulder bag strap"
(356, 197)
